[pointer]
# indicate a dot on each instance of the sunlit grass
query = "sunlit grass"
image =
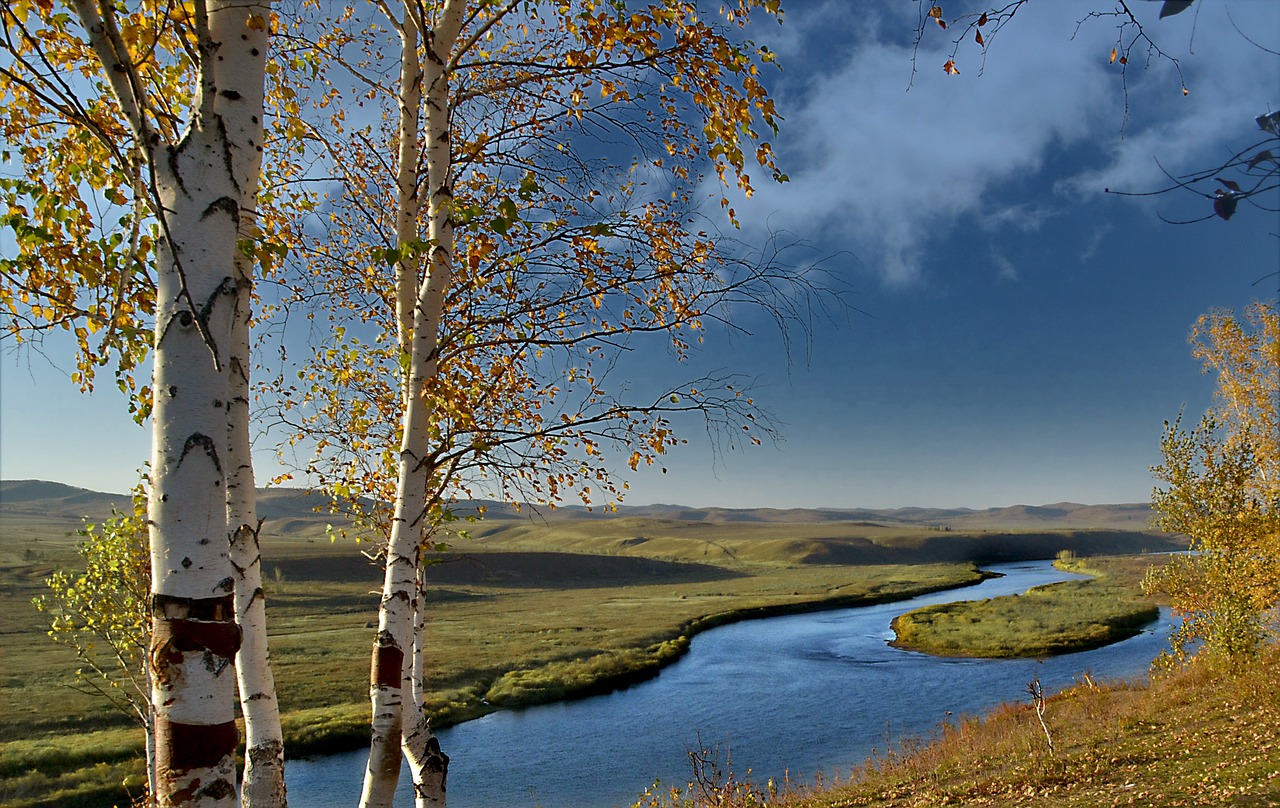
(1055, 619)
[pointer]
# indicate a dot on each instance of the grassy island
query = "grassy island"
(1053, 619)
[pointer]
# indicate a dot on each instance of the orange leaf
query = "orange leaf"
(1113, 56)
(1124, 61)
(950, 68)
(982, 20)
(977, 37)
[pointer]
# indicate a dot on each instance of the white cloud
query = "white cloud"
(883, 171)
(1005, 270)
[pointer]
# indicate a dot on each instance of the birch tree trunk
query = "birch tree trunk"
(392, 668)
(194, 634)
(263, 785)
(198, 185)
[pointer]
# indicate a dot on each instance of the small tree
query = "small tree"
(1221, 487)
(104, 615)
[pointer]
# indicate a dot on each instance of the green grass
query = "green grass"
(1045, 620)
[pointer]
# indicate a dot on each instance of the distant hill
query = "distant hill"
(300, 510)
(46, 499)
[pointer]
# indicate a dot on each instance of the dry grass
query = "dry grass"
(1199, 737)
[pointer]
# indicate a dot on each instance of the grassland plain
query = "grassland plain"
(527, 610)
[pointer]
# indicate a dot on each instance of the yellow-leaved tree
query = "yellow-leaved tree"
(134, 133)
(1220, 485)
(514, 207)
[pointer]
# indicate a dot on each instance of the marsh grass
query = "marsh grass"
(1053, 619)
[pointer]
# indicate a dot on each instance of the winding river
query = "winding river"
(815, 693)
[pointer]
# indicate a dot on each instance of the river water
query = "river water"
(812, 694)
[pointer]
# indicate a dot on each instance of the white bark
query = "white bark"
(195, 637)
(198, 185)
(263, 785)
(392, 668)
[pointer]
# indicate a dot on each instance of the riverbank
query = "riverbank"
(1197, 737)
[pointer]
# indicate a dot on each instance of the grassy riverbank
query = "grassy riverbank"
(1057, 618)
(1199, 737)
(515, 619)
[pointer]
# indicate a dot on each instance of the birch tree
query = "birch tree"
(156, 113)
(502, 260)
(1220, 485)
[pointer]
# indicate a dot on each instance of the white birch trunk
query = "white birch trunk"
(428, 764)
(194, 635)
(198, 185)
(391, 670)
(263, 784)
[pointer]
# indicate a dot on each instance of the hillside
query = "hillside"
(302, 509)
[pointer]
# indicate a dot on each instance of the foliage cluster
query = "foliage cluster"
(1220, 485)
(104, 612)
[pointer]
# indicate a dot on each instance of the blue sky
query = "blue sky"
(1021, 336)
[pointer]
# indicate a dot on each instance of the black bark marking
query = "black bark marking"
(437, 761)
(224, 204)
(215, 608)
(231, 95)
(177, 636)
(227, 287)
(174, 169)
(218, 790)
(204, 442)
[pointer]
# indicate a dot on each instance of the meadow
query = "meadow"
(528, 608)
